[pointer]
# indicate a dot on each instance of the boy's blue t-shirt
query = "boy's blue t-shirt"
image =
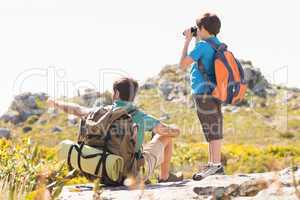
(206, 53)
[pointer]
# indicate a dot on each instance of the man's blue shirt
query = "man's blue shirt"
(206, 53)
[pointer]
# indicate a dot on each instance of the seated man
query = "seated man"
(156, 153)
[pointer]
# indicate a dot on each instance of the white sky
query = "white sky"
(81, 38)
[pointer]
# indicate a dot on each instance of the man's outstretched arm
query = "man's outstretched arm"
(70, 108)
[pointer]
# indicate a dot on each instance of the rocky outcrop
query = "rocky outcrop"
(31, 105)
(261, 186)
(174, 85)
(92, 98)
(88, 97)
(23, 106)
(256, 82)
(5, 133)
(149, 84)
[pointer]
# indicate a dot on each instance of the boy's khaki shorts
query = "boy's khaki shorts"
(210, 116)
(154, 156)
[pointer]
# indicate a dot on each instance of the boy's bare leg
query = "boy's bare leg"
(165, 166)
(210, 155)
(215, 149)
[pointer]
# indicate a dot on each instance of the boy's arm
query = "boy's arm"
(166, 130)
(70, 108)
(185, 60)
(150, 123)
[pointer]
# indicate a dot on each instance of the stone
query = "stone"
(256, 81)
(296, 106)
(11, 116)
(72, 119)
(258, 186)
(166, 88)
(42, 121)
(23, 106)
(103, 100)
(89, 97)
(271, 92)
(56, 129)
(53, 112)
(27, 129)
(164, 117)
(5, 133)
(148, 85)
(252, 187)
(32, 119)
(290, 96)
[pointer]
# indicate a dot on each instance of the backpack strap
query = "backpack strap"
(138, 155)
(204, 73)
(200, 64)
(218, 48)
(132, 112)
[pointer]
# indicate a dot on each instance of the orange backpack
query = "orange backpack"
(230, 85)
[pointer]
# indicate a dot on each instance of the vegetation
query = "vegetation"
(253, 143)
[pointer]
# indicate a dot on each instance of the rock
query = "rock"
(256, 81)
(290, 96)
(93, 98)
(42, 121)
(271, 92)
(263, 104)
(173, 91)
(180, 89)
(229, 108)
(26, 129)
(258, 186)
(89, 97)
(293, 89)
(5, 133)
(252, 187)
(52, 112)
(23, 106)
(56, 129)
(164, 117)
(148, 85)
(41, 95)
(11, 116)
(32, 119)
(186, 77)
(103, 100)
(166, 88)
(296, 106)
(72, 119)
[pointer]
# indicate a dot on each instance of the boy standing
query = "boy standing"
(202, 78)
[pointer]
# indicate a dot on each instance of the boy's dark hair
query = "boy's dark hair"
(210, 22)
(127, 88)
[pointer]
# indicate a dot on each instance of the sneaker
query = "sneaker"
(172, 178)
(210, 170)
(204, 167)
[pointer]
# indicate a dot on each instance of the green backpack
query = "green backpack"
(112, 131)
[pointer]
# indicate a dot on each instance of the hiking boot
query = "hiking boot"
(172, 178)
(210, 170)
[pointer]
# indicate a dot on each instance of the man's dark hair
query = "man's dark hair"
(210, 22)
(127, 88)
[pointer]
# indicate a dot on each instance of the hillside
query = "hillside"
(261, 133)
